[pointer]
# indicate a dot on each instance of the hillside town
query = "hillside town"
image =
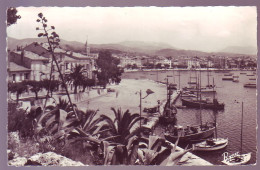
(33, 62)
(186, 62)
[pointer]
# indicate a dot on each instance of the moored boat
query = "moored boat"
(227, 78)
(237, 158)
(212, 144)
(204, 104)
(190, 133)
(250, 85)
(169, 112)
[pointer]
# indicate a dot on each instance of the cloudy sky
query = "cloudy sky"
(196, 28)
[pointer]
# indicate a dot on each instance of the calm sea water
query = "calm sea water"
(229, 120)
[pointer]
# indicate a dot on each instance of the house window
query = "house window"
(67, 65)
(26, 76)
(13, 77)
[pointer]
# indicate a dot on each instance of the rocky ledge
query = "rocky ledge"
(44, 159)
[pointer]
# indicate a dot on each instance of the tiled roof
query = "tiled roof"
(31, 55)
(15, 67)
(56, 50)
(34, 56)
(67, 58)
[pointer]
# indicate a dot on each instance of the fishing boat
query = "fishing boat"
(169, 112)
(211, 144)
(227, 78)
(190, 133)
(204, 104)
(250, 85)
(237, 158)
(252, 78)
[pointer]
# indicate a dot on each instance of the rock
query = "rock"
(51, 159)
(19, 161)
(11, 154)
(44, 159)
(13, 140)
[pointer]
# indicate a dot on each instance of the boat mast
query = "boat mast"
(242, 127)
(215, 111)
(200, 97)
(179, 79)
(208, 72)
(157, 75)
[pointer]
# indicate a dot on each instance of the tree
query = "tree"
(87, 83)
(109, 69)
(17, 88)
(77, 76)
(12, 16)
(52, 85)
(36, 86)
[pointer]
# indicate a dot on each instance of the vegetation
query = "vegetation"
(36, 86)
(123, 127)
(50, 85)
(17, 88)
(12, 16)
(108, 68)
(77, 76)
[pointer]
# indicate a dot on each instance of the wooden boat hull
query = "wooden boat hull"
(250, 85)
(191, 137)
(226, 78)
(197, 104)
(167, 120)
(230, 160)
(204, 91)
(220, 143)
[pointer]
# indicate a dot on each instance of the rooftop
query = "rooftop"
(67, 58)
(56, 50)
(34, 56)
(15, 67)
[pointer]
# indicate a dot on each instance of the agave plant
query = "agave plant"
(142, 151)
(123, 127)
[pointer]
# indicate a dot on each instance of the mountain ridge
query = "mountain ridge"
(133, 47)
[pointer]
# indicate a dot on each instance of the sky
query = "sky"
(192, 28)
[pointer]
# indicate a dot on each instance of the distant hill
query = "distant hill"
(176, 52)
(133, 47)
(250, 50)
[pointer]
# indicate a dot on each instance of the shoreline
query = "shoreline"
(185, 69)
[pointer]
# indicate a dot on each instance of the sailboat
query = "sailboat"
(169, 112)
(205, 104)
(191, 133)
(211, 144)
(237, 158)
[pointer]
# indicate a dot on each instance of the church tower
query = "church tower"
(87, 48)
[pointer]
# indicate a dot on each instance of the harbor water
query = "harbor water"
(232, 94)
